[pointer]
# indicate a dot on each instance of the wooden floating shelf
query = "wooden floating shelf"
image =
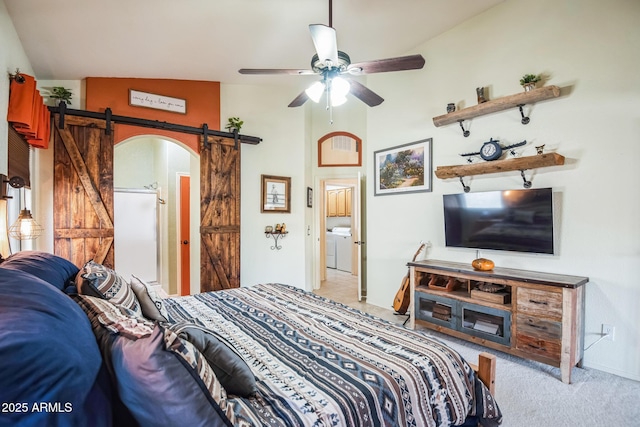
(496, 166)
(499, 104)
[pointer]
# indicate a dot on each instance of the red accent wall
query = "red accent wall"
(202, 101)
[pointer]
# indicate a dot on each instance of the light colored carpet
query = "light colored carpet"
(528, 393)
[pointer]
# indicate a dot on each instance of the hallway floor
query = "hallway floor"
(342, 287)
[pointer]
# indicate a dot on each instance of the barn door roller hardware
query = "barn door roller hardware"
(110, 118)
(206, 132)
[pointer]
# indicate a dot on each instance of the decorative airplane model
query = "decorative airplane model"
(492, 150)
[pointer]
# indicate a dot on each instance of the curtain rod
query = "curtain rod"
(156, 124)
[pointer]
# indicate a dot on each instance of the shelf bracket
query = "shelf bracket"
(275, 237)
(465, 132)
(524, 120)
(466, 188)
(527, 184)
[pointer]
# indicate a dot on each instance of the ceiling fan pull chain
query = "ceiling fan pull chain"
(327, 83)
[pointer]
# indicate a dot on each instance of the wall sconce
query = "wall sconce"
(25, 227)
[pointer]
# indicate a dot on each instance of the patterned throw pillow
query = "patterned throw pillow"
(99, 281)
(158, 375)
(150, 302)
(114, 318)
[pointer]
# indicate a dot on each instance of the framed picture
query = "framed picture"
(309, 197)
(276, 194)
(403, 168)
(159, 102)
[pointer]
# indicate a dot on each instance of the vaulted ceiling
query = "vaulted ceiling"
(212, 39)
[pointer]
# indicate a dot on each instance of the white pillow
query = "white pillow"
(150, 302)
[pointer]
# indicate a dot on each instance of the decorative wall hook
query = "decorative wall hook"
(19, 78)
(466, 188)
(527, 184)
(465, 132)
(525, 120)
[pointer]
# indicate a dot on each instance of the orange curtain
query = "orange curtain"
(27, 112)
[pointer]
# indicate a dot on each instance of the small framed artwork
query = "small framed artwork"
(403, 169)
(276, 194)
(309, 197)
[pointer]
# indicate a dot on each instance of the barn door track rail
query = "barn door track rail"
(110, 118)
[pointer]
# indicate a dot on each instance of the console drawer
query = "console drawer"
(540, 303)
(539, 346)
(536, 327)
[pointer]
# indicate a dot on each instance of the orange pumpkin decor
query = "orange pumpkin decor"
(482, 264)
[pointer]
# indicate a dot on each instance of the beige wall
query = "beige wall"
(12, 56)
(590, 49)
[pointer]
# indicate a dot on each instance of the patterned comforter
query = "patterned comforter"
(321, 363)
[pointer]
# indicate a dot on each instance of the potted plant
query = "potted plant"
(528, 81)
(61, 94)
(234, 124)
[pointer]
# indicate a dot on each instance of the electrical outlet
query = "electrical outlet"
(609, 331)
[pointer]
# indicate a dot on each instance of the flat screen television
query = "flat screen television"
(509, 220)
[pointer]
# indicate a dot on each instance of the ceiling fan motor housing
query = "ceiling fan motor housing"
(321, 67)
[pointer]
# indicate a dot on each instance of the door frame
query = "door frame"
(321, 182)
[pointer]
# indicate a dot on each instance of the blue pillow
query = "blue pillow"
(48, 267)
(49, 356)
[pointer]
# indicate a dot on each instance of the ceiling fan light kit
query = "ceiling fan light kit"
(315, 91)
(334, 67)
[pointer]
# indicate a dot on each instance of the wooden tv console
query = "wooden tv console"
(535, 315)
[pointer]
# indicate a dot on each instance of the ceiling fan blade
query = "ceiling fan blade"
(402, 63)
(365, 94)
(275, 71)
(299, 100)
(324, 39)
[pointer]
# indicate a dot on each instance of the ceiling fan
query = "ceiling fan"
(335, 67)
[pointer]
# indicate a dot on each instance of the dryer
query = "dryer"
(330, 249)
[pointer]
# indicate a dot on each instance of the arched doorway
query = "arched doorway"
(153, 166)
(83, 199)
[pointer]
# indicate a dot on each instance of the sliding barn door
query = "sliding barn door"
(219, 215)
(83, 191)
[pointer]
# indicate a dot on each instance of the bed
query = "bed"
(269, 354)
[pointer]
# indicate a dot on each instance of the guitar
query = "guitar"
(401, 301)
